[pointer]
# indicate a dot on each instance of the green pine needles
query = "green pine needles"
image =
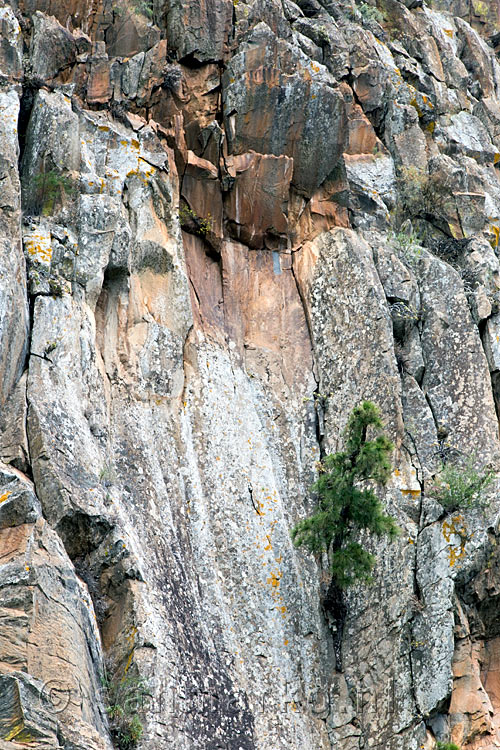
(347, 503)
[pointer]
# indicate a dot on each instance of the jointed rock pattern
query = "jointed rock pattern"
(222, 225)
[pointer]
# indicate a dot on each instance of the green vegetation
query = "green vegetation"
(371, 13)
(107, 474)
(189, 219)
(51, 188)
(446, 746)
(125, 699)
(404, 312)
(462, 486)
(347, 502)
(407, 243)
(144, 8)
(414, 195)
(480, 8)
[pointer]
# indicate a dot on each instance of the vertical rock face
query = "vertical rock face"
(222, 226)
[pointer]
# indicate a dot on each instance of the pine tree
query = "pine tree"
(347, 504)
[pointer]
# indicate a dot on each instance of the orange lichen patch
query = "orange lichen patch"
(496, 158)
(496, 235)
(4, 497)
(131, 639)
(450, 528)
(411, 493)
(455, 553)
(274, 579)
(430, 127)
(410, 541)
(456, 527)
(416, 106)
(316, 68)
(449, 32)
(397, 473)
(39, 247)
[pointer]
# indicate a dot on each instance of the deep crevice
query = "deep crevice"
(25, 109)
(319, 415)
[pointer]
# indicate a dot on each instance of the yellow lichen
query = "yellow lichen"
(274, 579)
(456, 527)
(496, 235)
(411, 493)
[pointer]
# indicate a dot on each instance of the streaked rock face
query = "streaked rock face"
(201, 273)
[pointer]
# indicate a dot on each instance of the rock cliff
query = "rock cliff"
(224, 223)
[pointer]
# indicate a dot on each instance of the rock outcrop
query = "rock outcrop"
(223, 225)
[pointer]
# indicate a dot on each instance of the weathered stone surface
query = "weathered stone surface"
(25, 713)
(11, 45)
(53, 49)
(405, 136)
(203, 213)
(129, 30)
(50, 633)
(98, 82)
(447, 384)
(200, 30)
(181, 386)
(13, 439)
(13, 303)
(277, 102)
(372, 178)
(257, 204)
(466, 134)
(19, 503)
(328, 270)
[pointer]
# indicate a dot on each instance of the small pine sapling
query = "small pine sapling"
(347, 504)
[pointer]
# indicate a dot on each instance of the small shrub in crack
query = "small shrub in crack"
(107, 475)
(407, 244)
(414, 195)
(190, 220)
(125, 695)
(51, 188)
(144, 8)
(404, 312)
(446, 746)
(370, 13)
(459, 485)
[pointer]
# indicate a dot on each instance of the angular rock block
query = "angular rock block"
(276, 101)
